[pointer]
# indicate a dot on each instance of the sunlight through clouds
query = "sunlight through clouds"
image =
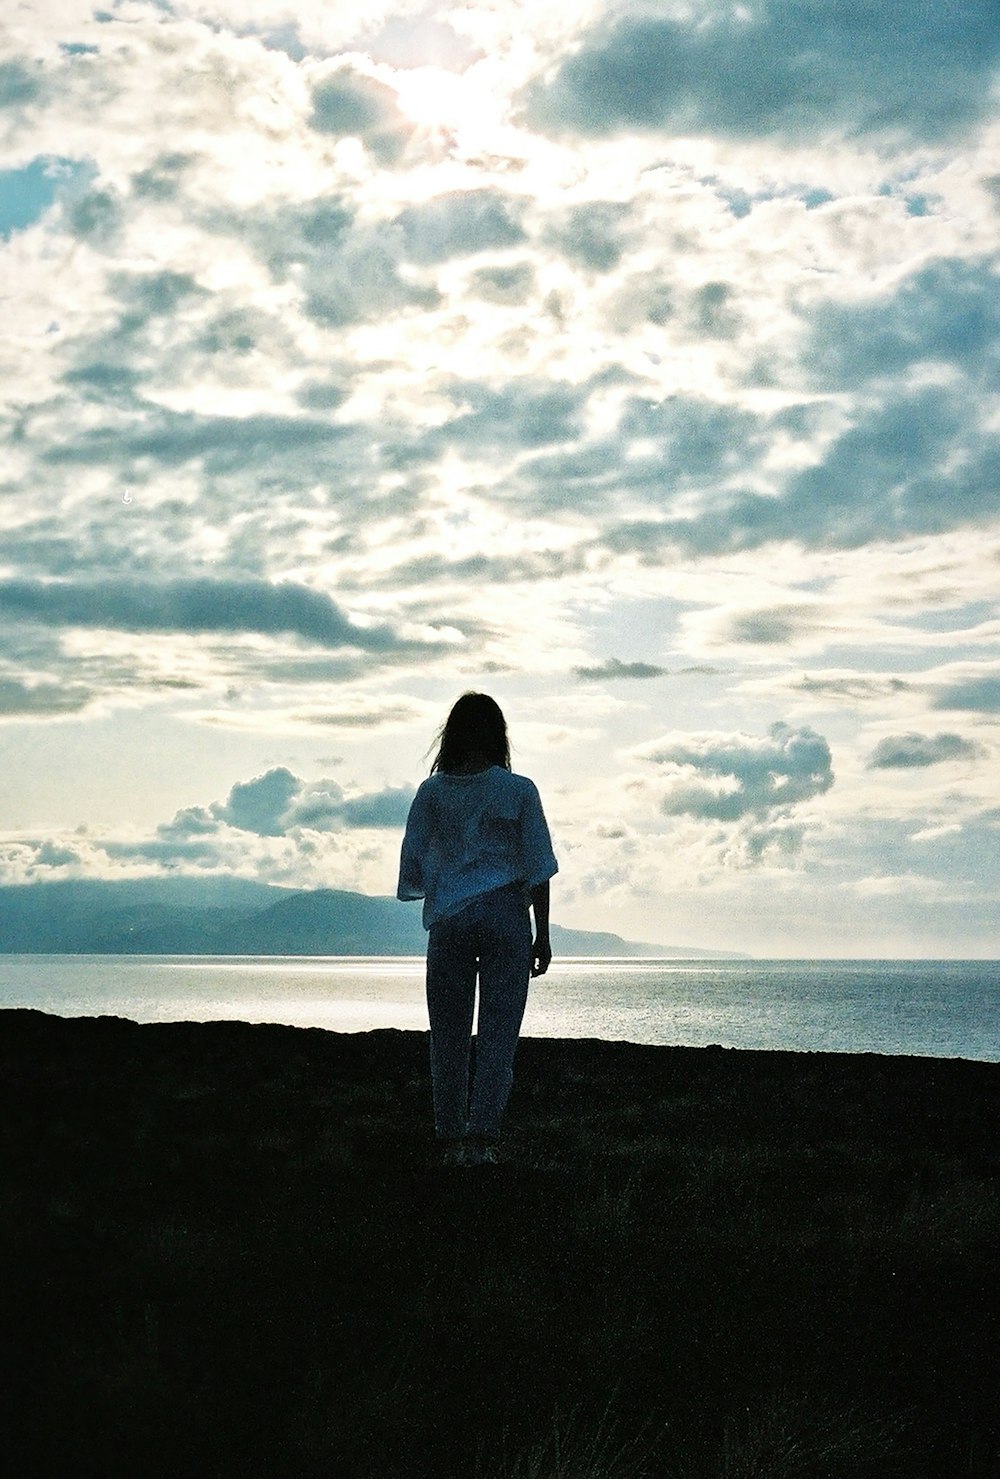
(636, 364)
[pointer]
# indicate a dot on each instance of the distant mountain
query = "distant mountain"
(97, 916)
(234, 916)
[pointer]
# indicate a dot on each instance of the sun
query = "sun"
(436, 98)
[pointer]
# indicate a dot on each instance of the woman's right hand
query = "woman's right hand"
(541, 955)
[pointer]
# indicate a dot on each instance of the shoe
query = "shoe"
(481, 1151)
(453, 1153)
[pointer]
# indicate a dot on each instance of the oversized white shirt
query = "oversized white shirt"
(468, 834)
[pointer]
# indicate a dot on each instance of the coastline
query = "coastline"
(944, 1009)
(233, 1257)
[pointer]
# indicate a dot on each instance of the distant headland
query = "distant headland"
(220, 915)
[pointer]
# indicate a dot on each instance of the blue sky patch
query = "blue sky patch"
(27, 193)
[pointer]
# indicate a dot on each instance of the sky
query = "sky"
(633, 363)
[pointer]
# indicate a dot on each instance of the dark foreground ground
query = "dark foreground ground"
(224, 1253)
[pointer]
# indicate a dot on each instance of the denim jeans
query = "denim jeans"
(490, 937)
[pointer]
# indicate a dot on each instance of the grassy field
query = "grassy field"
(227, 1252)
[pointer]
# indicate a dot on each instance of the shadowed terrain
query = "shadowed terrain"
(235, 916)
(228, 1252)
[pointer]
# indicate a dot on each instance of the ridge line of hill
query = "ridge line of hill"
(221, 915)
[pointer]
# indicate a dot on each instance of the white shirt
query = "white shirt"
(468, 834)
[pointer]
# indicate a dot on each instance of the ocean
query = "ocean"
(939, 1009)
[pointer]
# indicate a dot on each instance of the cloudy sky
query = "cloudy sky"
(631, 362)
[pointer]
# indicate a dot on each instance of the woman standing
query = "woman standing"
(477, 851)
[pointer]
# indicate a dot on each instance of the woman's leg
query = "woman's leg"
(504, 972)
(451, 998)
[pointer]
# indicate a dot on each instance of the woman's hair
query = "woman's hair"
(475, 727)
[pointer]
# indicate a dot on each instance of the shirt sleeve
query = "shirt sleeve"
(536, 844)
(414, 850)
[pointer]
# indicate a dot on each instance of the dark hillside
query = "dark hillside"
(226, 1253)
(233, 916)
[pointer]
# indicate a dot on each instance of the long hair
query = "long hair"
(475, 727)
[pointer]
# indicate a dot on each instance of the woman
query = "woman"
(477, 851)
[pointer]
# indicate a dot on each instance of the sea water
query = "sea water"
(943, 1009)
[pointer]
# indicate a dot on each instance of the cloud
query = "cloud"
(387, 808)
(731, 318)
(412, 37)
(222, 444)
(914, 462)
(460, 224)
(945, 313)
(800, 71)
(658, 453)
(887, 885)
(524, 413)
(192, 821)
(774, 841)
(344, 264)
(162, 179)
(724, 778)
(614, 668)
(914, 465)
(96, 216)
(360, 279)
(855, 688)
(350, 104)
(19, 84)
(981, 695)
(903, 751)
(713, 312)
(281, 804)
(168, 851)
(771, 627)
(506, 285)
(488, 569)
(592, 234)
(19, 699)
(260, 805)
(194, 606)
(51, 855)
(371, 717)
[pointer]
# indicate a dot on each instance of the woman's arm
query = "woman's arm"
(541, 950)
(412, 853)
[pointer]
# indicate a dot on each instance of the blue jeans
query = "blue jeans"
(490, 937)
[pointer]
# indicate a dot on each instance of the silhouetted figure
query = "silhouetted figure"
(477, 851)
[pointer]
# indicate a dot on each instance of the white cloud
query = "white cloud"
(726, 777)
(332, 384)
(908, 751)
(807, 74)
(908, 885)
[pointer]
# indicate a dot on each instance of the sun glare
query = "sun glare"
(436, 98)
